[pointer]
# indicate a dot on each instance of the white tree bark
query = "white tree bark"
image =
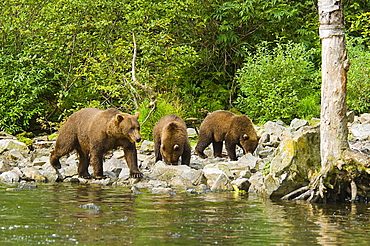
(333, 127)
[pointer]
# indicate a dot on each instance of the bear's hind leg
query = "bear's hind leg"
(203, 143)
(83, 165)
(63, 146)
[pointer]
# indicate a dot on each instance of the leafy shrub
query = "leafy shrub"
(279, 83)
(358, 91)
(25, 89)
(150, 115)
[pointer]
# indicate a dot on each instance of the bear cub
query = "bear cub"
(92, 132)
(171, 140)
(225, 126)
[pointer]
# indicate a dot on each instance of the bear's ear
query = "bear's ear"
(176, 147)
(137, 114)
(245, 137)
(120, 118)
(172, 126)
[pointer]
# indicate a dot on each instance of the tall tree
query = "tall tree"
(333, 127)
(341, 168)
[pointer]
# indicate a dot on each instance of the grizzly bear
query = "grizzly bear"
(225, 126)
(92, 132)
(171, 140)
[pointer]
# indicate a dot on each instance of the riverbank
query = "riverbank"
(286, 158)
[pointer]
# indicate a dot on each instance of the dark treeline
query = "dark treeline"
(260, 58)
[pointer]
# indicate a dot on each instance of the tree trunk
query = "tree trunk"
(344, 174)
(333, 126)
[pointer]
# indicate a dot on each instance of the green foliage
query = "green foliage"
(58, 56)
(26, 138)
(358, 86)
(26, 89)
(151, 113)
(279, 83)
(357, 19)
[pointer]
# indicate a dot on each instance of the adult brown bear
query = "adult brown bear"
(225, 126)
(171, 140)
(92, 132)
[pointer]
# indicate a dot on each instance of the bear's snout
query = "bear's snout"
(138, 139)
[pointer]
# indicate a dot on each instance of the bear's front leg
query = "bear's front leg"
(131, 160)
(157, 151)
(231, 152)
(217, 149)
(185, 158)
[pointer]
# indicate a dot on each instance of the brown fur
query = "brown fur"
(92, 132)
(222, 126)
(171, 140)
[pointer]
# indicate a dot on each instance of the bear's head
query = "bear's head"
(249, 142)
(172, 147)
(126, 126)
(247, 136)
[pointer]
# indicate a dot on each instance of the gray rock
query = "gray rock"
(147, 146)
(5, 166)
(298, 123)
(33, 174)
(180, 182)
(213, 171)
(192, 133)
(360, 131)
(90, 206)
(39, 161)
(38, 153)
(165, 172)
(351, 116)
(114, 165)
(247, 162)
(15, 155)
(364, 118)
(50, 174)
(42, 144)
(265, 152)
(273, 128)
(241, 183)
(11, 144)
(9, 177)
(221, 183)
(257, 183)
(297, 156)
(265, 138)
(124, 174)
(161, 190)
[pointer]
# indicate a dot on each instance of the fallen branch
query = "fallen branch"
(154, 105)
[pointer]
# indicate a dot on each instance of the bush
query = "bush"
(26, 92)
(279, 83)
(149, 116)
(358, 91)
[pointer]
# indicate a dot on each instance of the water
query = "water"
(60, 214)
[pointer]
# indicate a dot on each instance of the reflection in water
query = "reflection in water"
(51, 215)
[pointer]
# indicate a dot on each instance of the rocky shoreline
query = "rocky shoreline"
(285, 159)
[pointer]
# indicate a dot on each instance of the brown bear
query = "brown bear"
(92, 132)
(225, 126)
(171, 140)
